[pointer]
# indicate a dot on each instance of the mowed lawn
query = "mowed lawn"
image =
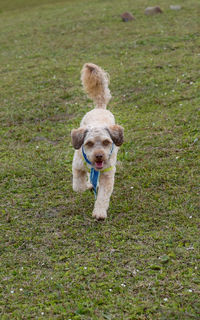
(56, 262)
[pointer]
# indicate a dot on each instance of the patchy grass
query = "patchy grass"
(56, 262)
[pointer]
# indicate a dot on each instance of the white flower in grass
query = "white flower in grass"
(12, 291)
(190, 290)
(20, 289)
(165, 299)
(123, 285)
(190, 248)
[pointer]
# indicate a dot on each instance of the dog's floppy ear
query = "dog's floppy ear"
(78, 136)
(117, 134)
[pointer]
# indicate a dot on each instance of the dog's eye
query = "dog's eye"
(106, 142)
(90, 144)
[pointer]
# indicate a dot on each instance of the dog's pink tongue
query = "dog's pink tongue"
(99, 165)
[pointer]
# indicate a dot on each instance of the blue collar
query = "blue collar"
(94, 174)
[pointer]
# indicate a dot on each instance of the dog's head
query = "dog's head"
(97, 143)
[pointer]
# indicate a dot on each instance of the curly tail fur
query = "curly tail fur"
(95, 83)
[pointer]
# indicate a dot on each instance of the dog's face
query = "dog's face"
(97, 143)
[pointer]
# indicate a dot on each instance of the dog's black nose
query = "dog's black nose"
(99, 156)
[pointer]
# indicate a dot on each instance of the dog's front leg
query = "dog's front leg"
(80, 181)
(106, 184)
(80, 175)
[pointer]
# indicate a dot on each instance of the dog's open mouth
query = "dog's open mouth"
(99, 165)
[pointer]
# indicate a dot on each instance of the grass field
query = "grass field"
(56, 262)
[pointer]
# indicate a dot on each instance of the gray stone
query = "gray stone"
(153, 10)
(175, 7)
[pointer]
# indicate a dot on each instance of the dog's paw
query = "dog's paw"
(89, 186)
(79, 188)
(99, 214)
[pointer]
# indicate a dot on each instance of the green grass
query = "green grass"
(56, 261)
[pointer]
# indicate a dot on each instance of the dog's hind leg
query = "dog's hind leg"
(106, 184)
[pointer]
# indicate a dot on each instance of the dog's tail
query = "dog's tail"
(95, 82)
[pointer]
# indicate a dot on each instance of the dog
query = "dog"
(96, 142)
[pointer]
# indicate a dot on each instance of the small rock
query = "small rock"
(175, 7)
(153, 10)
(127, 16)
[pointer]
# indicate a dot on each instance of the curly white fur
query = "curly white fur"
(95, 82)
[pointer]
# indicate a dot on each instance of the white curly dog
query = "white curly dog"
(96, 142)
